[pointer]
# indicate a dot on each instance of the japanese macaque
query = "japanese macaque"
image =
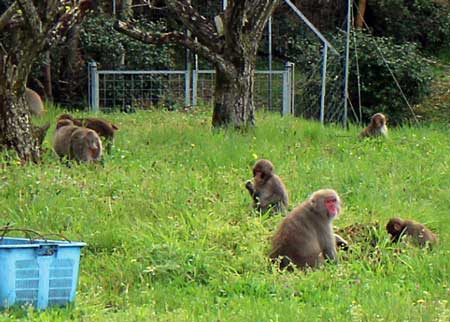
(85, 145)
(377, 127)
(34, 102)
(103, 127)
(267, 189)
(305, 237)
(414, 231)
(61, 142)
(77, 143)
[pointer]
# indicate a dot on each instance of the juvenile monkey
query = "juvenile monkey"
(377, 127)
(103, 127)
(305, 237)
(34, 102)
(417, 232)
(267, 189)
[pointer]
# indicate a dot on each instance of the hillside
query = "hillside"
(172, 237)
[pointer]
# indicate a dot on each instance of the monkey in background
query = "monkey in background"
(267, 189)
(417, 232)
(377, 127)
(77, 143)
(305, 237)
(34, 102)
(103, 127)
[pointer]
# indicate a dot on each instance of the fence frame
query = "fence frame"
(191, 79)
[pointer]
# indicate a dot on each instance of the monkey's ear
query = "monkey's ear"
(397, 227)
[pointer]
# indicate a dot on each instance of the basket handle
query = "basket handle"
(27, 231)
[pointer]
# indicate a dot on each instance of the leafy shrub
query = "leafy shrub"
(107, 46)
(379, 92)
(426, 22)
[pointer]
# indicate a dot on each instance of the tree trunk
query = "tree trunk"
(359, 23)
(233, 98)
(48, 77)
(16, 130)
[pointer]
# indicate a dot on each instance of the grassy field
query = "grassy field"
(172, 237)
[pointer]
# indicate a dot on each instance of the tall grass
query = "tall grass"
(172, 237)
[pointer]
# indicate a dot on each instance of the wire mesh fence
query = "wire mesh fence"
(110, 90)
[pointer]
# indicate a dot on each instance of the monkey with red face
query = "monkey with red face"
(267, 189)
(305, 237)
(376, 128)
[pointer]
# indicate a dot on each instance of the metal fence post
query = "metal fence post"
(324, 83)
(287, 93)
(93, 90)
(195, 81)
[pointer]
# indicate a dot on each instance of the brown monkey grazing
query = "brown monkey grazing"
(103, 127)
(61, 141)
(77, 143)
(417, 232)
(305, 237)
(85, 145)
(34, 102)
(267, 189)
(376, 128)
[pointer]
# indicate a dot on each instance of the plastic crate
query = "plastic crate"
(41, 273)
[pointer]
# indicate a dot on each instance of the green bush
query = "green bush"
(379, 92)
(107, 46)
(426, 22)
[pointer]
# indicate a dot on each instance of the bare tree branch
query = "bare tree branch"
(31, 17)
(261, 11)
(168, 38)
(197, 24)
(67, 21)
(6, 17)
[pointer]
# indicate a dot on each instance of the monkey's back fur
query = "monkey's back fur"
(274, 194)
(296, 237)
(34, 102)
(85, 145)
(61, 142)
(103, 127)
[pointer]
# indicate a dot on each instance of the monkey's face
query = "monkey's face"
(332, 204)
(378, 121)
(258, 176)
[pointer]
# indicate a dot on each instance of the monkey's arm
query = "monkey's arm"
(330, 253)
(251, 190)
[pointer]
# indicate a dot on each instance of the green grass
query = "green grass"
(172, 237)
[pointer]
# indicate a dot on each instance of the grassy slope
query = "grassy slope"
(172, 236)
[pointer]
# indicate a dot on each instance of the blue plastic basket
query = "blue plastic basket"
(41, 273)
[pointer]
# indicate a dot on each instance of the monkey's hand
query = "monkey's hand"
(249, 186)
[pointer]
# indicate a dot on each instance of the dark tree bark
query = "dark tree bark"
(231, 44)
(359, 22)
(27, 29)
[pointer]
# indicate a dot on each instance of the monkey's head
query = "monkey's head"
(326, 202)
(65, 117)
(378, 120)
(395, 227)
(262, 170)
(62, 123)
